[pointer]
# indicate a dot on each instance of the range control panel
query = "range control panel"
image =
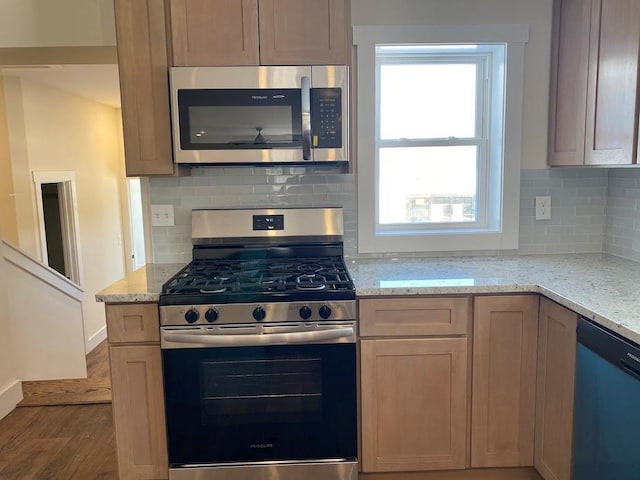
(268, 222)
(326, 118)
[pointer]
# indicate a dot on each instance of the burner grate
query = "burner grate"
(264, 276)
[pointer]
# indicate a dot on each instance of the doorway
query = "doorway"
(58, 222)
(53, 227)
(136, 224)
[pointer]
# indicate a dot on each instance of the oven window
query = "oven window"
(284, 390)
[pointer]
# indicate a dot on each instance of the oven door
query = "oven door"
(259, 402)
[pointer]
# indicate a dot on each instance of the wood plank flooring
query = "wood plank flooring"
(76, 442)
(96, 388)
(72, 442)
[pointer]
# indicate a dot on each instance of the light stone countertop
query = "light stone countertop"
(601, 287)
(143, 285)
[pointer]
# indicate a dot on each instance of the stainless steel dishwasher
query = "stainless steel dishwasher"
(606, 433)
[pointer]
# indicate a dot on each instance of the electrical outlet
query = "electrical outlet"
(162, 216)
(543, 208)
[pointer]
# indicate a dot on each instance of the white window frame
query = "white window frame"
(502, 230)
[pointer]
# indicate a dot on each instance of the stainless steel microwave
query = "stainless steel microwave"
(254, 115)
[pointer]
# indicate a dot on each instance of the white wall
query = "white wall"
(10, 386)
(536, 13)
(50, 130)
(45, 312)
(56, 23)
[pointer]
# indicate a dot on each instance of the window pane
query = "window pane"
(428, 185)
(428, 101)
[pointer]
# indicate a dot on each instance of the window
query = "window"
(439, 151)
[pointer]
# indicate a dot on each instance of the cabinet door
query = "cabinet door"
(554, 395)
(613, 82)
(214, 32)
(144, 86)
(414, 404)
(138, 412)
(303, 32)
(504, 380)
(569, 72)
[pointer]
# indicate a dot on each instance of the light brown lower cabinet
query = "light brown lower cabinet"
(555, 390)
(505, 337)
(138, 396)
(413, 404)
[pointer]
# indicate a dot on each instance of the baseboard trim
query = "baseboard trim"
(512, 473)
(96, 339)
(10, 396)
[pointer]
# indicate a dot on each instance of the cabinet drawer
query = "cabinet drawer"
(133, 323)
(389, 317)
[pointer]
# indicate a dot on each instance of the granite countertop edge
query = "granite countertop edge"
(599, 287)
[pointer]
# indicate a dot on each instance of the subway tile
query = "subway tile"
(579, 203)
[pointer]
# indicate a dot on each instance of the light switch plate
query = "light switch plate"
(543, 208)
(162, 216)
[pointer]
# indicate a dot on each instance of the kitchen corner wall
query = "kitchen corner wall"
(577, 225)
(622, 236)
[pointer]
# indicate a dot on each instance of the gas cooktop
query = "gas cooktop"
(258, 280)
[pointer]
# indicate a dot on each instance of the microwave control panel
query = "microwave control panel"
(326, 118)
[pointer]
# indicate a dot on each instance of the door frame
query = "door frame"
(69, 220)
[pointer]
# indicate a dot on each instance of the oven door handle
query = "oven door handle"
(259, 339)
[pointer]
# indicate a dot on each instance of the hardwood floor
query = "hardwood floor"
(72, 442)
(96, 388)
(76, 442)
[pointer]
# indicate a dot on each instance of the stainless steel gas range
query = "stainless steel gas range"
(259, 353)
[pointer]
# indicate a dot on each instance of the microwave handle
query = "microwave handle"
(306, 117)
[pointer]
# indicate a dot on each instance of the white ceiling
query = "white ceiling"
(96, 82)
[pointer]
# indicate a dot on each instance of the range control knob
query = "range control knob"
(211, 315)
(325, 312)
(259, 314)
(192, 315)
(305, 312)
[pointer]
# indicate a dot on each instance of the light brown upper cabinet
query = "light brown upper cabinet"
(593, 112)
(144, 86)
(214, 32)
(265, 32)
(303, 32)
(505, 342)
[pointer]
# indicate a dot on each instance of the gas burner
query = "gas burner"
(311, 281)
(217, 285)
(310, 268)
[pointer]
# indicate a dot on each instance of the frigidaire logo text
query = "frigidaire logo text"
(259, 97)
(633, 357)
(261, 445)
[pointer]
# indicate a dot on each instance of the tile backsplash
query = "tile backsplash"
(577, 224)
(227, 187)
(578, 210)
(622, 233)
